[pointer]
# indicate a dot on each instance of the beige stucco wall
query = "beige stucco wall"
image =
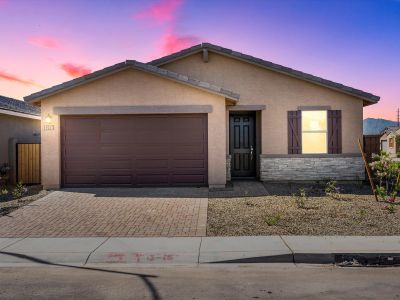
(280, 93)
(129, 88)
(25, 130)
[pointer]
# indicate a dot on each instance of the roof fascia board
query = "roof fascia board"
(18, 114)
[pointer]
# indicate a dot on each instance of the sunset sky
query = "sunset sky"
(357, 43)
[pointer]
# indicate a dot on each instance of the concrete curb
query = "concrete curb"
(192, 250)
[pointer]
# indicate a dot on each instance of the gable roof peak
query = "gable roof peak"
(152, 69)
(368, 97)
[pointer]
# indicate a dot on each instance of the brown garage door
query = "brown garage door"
(145, 150)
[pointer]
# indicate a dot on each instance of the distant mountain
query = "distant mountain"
(375, 126)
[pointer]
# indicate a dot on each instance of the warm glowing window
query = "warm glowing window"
(391, 142)
(314, 131)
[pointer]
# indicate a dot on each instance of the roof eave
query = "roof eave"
(370, 99)
(154, 70)
(18, 114)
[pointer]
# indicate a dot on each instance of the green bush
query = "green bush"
(272, 220)
(18, 191)
(332, 190)
(300, 198)
(387, 172)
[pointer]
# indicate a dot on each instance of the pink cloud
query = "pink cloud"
(75, 70)
(14, 78)
(161, 11)
(172, 42)
(44, 42)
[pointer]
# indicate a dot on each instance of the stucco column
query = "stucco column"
(51, 152)
(217, 146)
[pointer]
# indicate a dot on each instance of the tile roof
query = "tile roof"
(269, 65)
(139, 66)
(20, 106)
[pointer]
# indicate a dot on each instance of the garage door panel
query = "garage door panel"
(80, 171)
(80, 179)
(116, 179)
(115, 172)
(116, 150)
(186, 179)
(188, 163)
(110, 137)
(81, 138)
(71, 164)
(82, 124)
(116, 124)
(147, 137)
(81, 151)
(146, 150)
(116, 164)
(152, 179)
(151, 164)
(188, 149)
(156, 150)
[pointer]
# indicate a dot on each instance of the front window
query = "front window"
(314, 131)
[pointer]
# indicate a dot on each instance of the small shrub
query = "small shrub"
(4, 191)
(390, 208)
(272, 220)
(362, 213)
(18, 191)
(300, 198)
(387, 172)
(332, 190)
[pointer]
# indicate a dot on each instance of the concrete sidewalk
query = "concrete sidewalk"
(192, 250)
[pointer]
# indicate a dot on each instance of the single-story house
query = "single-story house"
(389, 141)
(199, 117)
(19, 123)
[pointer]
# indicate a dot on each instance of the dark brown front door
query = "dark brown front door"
(242, 144)
(140, 150)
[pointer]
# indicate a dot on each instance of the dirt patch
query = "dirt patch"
(355, 213)
(8, 204)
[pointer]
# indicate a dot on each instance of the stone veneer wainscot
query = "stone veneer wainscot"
(311, 167)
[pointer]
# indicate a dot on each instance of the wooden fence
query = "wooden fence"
(28, 163)
(371, 146)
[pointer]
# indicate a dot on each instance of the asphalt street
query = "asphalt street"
(235, 281)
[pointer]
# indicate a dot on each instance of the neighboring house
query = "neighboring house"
(389, 142)
(19, 123)
(198, 117)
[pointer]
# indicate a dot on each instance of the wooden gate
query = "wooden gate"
(28, 163)
(371, 145)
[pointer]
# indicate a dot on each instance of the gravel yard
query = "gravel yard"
(8, 204)
(355, 213)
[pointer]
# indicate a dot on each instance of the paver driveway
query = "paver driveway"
(111, 212)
